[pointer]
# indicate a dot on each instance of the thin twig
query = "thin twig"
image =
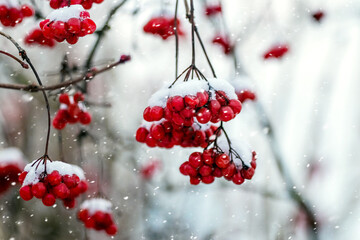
(24, 65)
(176, 39)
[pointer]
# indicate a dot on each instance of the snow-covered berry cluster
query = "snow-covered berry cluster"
(11, 165)
(212, 10)
(166, 134)
(36, 37)
(87, 4)
(276, 51)
(235, 165)
(162, 26)
(224, 42)
(59, 181)
(96, 214)
(68, 23)
(71, 111)
(206, 101)
(11, 13)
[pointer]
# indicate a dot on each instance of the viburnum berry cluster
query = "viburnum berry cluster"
(233, 162)
(163, 26)
(224, 42)
(166, 134)
(96, 214)
(148, 170)
(11, 165)
(72, 110)
(276, 51)
(68, 23)
(87, 4)
(11, 13)
(36, 37)
(52, 180)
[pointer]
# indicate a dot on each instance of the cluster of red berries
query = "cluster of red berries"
(96, 214)
(87, 4)
(277, 51)
(71, 111)
(167, 134)
(11, 15)
(52, 186)
(37, 37)
(204, 167)
(224, 42)
(212, 10)
(181, 111)
(70, 29)
(11, 165)
(162, 26)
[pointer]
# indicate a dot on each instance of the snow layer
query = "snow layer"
(96, 204)
(191, 87)
(65, 13)
(241, 147)
(242, 82)
(63, 168)
(9, 3)
(11, 155)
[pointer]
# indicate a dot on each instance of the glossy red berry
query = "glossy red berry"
(26, 193)
(49, 199)
(38, 190)
(222, 160)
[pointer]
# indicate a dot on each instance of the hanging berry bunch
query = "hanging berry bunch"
(276, 51)
(36, 37)
(52, 180)
(11, 163)
(224, 159)
(68, 23)
(12, 13)
(96, 214)
(87, 4)
(71, 111)
(162, 26)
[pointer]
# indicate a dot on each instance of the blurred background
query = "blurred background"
(304, 124)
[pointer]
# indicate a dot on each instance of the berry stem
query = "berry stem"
(176, 39)
(24, 56)
(191, 19)
(24, 65)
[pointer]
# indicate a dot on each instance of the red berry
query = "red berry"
(48, 199)
(88, 26)
(69, 202)
(111, 230)
(195, 159)
(27, 11)
(73, 26)
(235, 105)
(237, 178)
(187, 113)
(191, 101)
(156, 113)
(61, 191)
(203, 98)
(79, 97)
(226, 114)
(84, 117)
(141, 134)
(157, 132)
(222, 160)
(207, 157)
(54, 178)
(22, 177)
(150, 141)
(64, 98)
(217, 172)
(83, 186)
(249, 173)
(205, 170)
(72, 39)
(177, 103)
(214, 106)
(59, 31)
(83, 214)
(203, 115)
(26, 193)
(208, 179)
(69, 181)
(147, 115)
(229, 171)
(38, 190)
(195, 180)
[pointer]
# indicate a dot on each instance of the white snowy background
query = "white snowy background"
(310, 97)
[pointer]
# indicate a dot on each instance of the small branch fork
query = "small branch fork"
(24, 65)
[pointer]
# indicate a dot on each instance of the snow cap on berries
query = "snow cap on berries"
(65, 13)
(34, 172)
(97, 204)
(11, 155)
